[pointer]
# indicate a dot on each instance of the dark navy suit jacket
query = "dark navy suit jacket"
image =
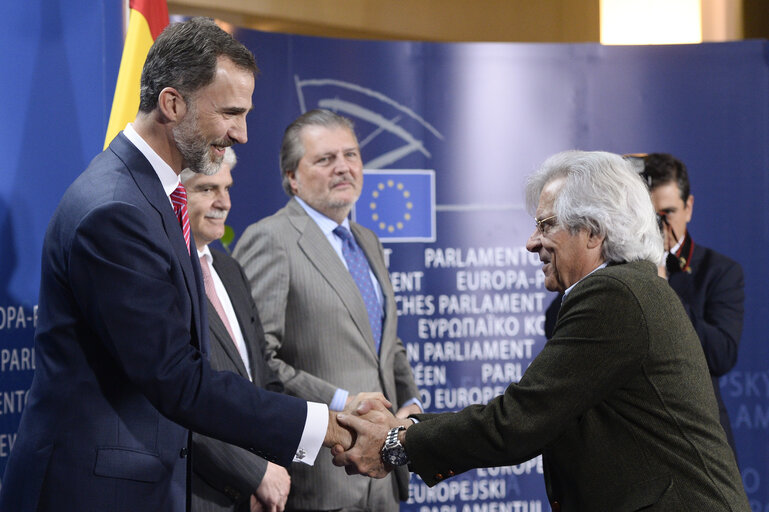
(120, 377)
(713, 295)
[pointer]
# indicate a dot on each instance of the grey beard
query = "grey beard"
(197, 156)
(194, 150)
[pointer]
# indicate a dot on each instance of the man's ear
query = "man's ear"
(292, 181)
(172, 105)
(594, 240)
(689, 207)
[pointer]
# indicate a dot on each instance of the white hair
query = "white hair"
(603, 195)
(230, 159)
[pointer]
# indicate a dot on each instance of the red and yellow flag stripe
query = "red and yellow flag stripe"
(146, 21)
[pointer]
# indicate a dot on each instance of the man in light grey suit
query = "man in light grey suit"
(226, 477)
(326, 302)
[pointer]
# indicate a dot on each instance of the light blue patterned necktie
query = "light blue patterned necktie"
(359, 269)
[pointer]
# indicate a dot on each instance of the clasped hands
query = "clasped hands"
(357, 434)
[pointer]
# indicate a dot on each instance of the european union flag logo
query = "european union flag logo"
(399, 206)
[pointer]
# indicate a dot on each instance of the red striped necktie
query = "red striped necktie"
(179, 201)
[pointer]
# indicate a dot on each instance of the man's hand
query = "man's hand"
(370, 427)
(353, 402)
(272, 492)
(405, 412)
(336, 434)
(668, 240)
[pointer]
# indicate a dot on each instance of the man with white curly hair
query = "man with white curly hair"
(619, 402)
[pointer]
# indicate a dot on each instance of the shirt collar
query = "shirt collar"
(207, 253)
(168, 178)
(325, 224)
(602, 265)
(674, 249)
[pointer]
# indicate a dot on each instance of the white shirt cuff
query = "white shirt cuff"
(314, 433)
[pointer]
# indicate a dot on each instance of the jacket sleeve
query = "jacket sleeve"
(269, 379)
(573, 373)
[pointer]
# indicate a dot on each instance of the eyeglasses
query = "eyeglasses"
(544, 225)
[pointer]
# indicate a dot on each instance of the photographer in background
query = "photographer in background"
(710, 285)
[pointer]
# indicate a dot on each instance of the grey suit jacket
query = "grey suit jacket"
(619, 402)
(224, 476)
(318, 335)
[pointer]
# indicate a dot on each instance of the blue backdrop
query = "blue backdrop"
(59, 63)
(452, 130)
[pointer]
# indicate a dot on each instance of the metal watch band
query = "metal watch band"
(393, 452)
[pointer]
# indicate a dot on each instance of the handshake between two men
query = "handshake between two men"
(366, 434)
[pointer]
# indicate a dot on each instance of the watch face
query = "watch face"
(392, 451)
(396, 456)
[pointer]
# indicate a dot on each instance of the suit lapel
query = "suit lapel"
(371, 250)
(222, 338)
(319, 252)
(684, 282)
(149, 184)
(220, 331)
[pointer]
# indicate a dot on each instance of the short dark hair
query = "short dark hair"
(663, 168)
(184, 57)
(292, 149)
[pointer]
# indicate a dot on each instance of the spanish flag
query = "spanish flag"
(146, 21)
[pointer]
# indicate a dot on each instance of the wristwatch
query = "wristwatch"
(393, 452)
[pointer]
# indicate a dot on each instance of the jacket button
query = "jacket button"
(183, 453)
(232, 493)
(438, 476)
(450, 473)
(556, 506)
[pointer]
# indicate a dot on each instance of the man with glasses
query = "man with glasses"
(710, 285)
(618, 402)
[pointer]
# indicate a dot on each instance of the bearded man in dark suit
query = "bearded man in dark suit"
(619, 402)
(121, 376)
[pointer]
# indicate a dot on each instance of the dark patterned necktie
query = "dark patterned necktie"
(359, 269)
